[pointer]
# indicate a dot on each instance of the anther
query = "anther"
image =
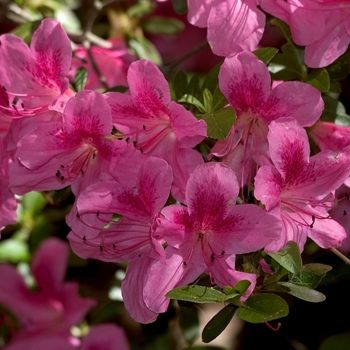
(101, 248)
(84, 238)
(313, 221)
(78, 216)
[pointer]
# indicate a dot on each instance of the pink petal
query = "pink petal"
(245, 81)
(234, 26)
(49, 264)
(105, 337)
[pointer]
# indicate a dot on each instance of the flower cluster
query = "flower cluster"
(145, 192)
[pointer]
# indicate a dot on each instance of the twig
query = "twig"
(340, 255)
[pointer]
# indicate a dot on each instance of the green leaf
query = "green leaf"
(162, 25)
(14, 251)
(218, 323)
(283, 26)
(219, 123)
(180, 84)
(208, 100)
(144, 49)
(189, 324)
(190, 99)
(80, 78)
(289, 257)
(319, 79)
(262, 308)
(342, 120)
(336, 342)
(219, 100)
(180, 6)
(340, 69)
(203, 347)
(26, 30)
(304, 293)
(242, 286)
(211, 79)
(266, 54)
(311, 275)
(33, 203)
(141, 9)
(197, 294)
(118, 88)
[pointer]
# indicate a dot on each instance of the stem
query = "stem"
(340, 255)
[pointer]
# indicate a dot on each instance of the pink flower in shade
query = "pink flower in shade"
(77, 151)
(329, 136)
(50, 312)
(34, 78)
(112, 63)
(233, 25)
(100, 337)
(245, 81)
(134, 237)
(156, 125)
(206, 235)
(322, 26)
(298, 189)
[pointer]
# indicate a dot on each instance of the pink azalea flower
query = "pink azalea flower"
(134, 237)
(298, 189)
(77, 151)
(158, 126)
(206, 235)
(50, 312)
(112, 63)
(322, 26)
(34, 78)
(233, 25)
(246, 83)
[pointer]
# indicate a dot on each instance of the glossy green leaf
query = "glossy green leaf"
(190, 99)
(33, 203)
(197, 294)
(319, 79)
(80, 78)
(180, 6)
(304, 293)
(242, 286)
(211, 80)
(162, 25)
(310, 275)
(219, 123)
(219, 100)
(141, 9)
(208, 100)
(262, 308)
(289, 257)
(266, 54)
(342, 120)
(218, 323)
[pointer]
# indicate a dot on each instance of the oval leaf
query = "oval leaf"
(218, 323)
(266, 54)
(289, 257)
(262, 308)
(304, 293)
(197, 294)
(219, 123)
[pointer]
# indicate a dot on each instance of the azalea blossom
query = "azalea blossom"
(112, 64)
(322, 26)
(233, 25)
(35, 78)
(246, 83)
(298, 188)
(206, 235)
(134, 237)
(50, 312)
(77, 151)
(156, 125)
